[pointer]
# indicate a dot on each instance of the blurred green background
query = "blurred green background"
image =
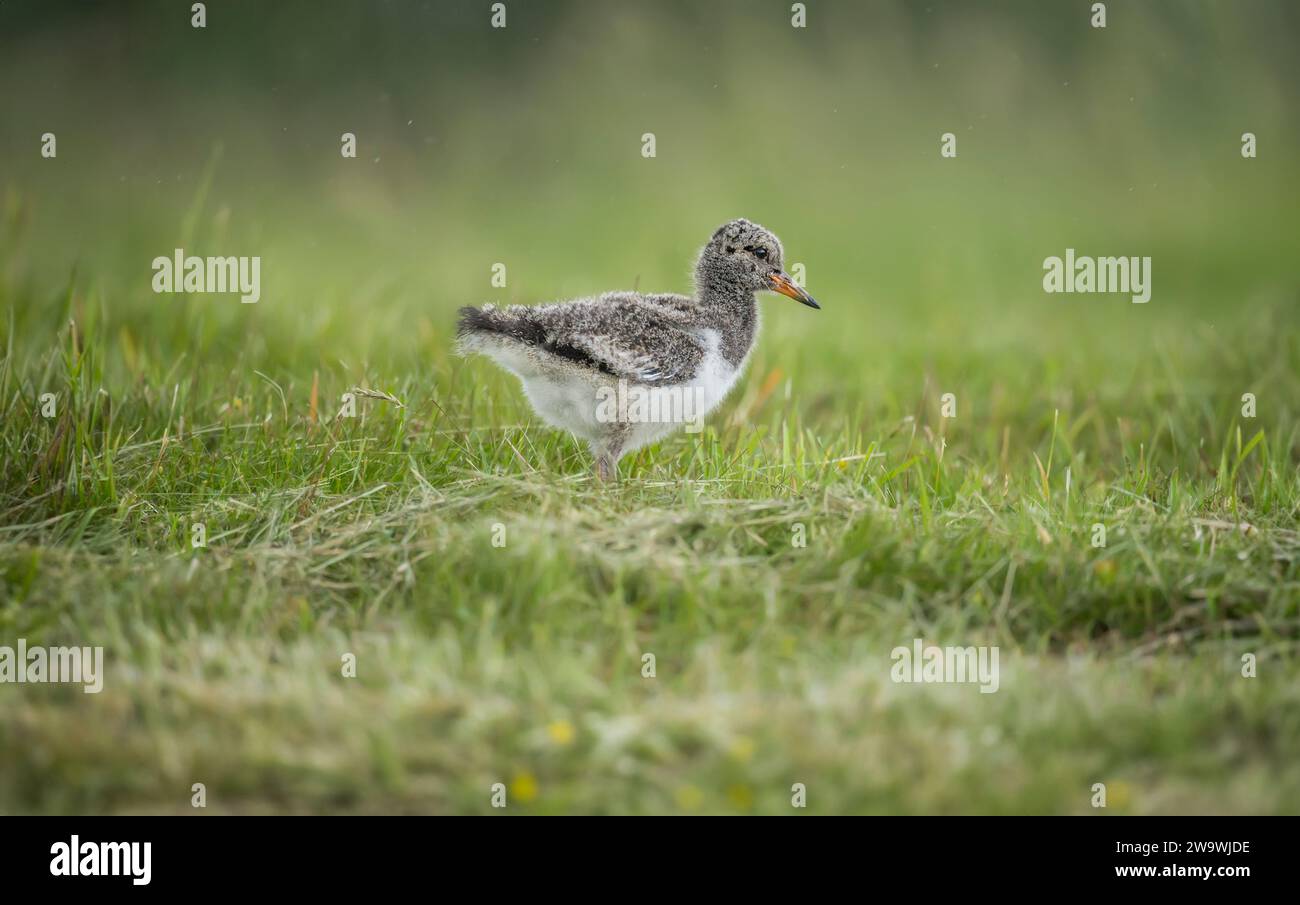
(523, 664)
(522, 146)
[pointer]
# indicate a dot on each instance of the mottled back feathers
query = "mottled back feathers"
(649, 339)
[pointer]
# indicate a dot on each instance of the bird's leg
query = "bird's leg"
(607, 456)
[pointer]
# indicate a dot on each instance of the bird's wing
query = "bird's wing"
(646, 339)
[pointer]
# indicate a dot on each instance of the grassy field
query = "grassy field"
(498, 601)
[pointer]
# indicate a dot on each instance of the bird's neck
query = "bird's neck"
(732, 311)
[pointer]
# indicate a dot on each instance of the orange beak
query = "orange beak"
(786, 286)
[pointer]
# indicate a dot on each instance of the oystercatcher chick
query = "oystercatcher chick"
(624, 368)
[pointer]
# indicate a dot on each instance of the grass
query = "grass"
(522, 662)
(499, 603)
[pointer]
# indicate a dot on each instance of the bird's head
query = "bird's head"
(746, 255)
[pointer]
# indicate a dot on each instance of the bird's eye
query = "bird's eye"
(760, 253)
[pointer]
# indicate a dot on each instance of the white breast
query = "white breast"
(716, 376)
(566, 397)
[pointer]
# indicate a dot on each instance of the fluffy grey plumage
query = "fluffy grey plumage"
(574, 356)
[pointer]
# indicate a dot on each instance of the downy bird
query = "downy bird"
(623, 369)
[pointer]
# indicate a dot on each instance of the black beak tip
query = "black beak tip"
(811, 303)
